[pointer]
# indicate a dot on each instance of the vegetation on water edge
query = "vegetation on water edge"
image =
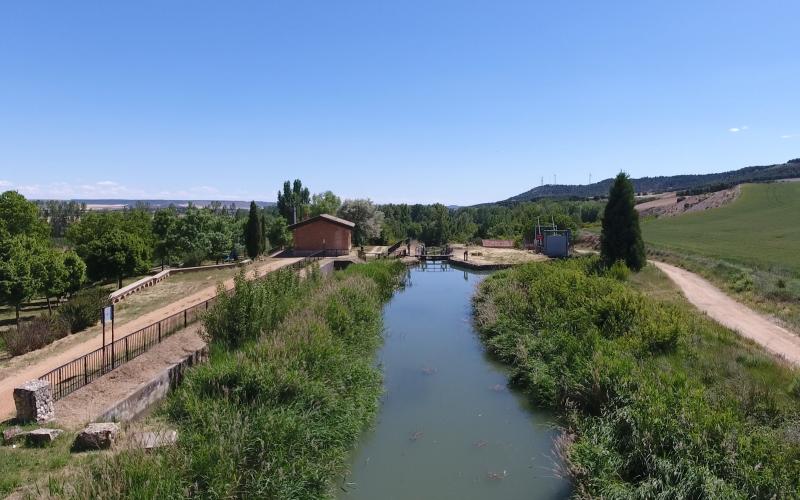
(656, 400)
(289, 386)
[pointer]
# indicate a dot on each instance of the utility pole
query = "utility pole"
(554, 180)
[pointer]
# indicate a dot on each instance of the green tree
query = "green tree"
(21, 258)
(252, 232)
(621, 237)
(53, 274)
(367, 218)
(19, 216)
(76, 272)
(115, 255)
(264, 233)
(293, 201)
(279, 235)
(165, 223)
(325, 203)
(192, 232)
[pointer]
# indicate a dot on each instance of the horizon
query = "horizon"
(412, 103)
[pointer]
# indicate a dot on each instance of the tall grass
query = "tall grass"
(288, 388)
(657, 401)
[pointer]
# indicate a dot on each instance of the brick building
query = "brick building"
(323, 232)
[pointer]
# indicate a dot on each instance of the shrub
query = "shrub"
(34, 334)
(657, 401)
(619, 271)
(83, 309)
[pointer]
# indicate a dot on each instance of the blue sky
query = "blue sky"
(403, 101)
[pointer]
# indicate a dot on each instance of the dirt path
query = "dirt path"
(734, 315)
(15, 377)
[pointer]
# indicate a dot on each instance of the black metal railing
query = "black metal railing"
(81, 371)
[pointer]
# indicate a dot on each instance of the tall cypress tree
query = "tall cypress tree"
(621, 238)
(252, 232)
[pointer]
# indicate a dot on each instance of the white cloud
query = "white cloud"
(734, 129)
(741, 128)
(5, 183)
(790, 136)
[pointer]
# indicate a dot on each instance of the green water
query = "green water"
(448, 426)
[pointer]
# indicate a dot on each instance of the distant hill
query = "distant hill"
(111, 204)
(662, 184)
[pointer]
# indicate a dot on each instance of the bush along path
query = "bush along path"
(656, 400)
(289, 386)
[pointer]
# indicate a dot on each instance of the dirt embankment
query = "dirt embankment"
(670, 204)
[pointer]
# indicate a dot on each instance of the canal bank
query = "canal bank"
(448, 426)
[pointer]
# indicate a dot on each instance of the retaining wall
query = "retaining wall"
(154, 391)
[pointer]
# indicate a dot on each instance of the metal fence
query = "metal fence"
(81, 371)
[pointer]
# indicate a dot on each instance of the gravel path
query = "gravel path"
(734, 315)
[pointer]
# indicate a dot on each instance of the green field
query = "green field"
(760, 229)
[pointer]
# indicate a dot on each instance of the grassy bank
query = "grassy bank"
(288, 388)
(656, 400)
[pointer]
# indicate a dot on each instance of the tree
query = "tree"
(621, 237)
(20, 270)
(264, 233)
(325, 203)
(75, 272)
(116, 254)
(279, 235)
(192, 235)
(293, 201)
(365, 216)
(19, 216)
(53, 274)
(165, 224)
(252, 232)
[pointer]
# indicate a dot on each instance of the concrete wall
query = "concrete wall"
(154, 391)
(322, 235)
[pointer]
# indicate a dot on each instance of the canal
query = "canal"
(448, 426)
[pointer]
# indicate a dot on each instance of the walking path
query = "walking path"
(734, 315)
(16, 377)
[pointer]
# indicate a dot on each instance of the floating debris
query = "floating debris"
(480, 444)
(416, 436)
(428, 370)
(498, 388)
(497, 476)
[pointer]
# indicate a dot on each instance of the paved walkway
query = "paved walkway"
(734, 315)
(41, 366)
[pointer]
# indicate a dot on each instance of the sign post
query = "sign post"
(107, 316)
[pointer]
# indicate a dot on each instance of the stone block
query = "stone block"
(34, 401)
(96, 436)
(42, 437)
(13, 435)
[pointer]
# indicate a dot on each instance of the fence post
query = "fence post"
(85, 370)
(159, 332)
(184, 318)
(126, 349)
